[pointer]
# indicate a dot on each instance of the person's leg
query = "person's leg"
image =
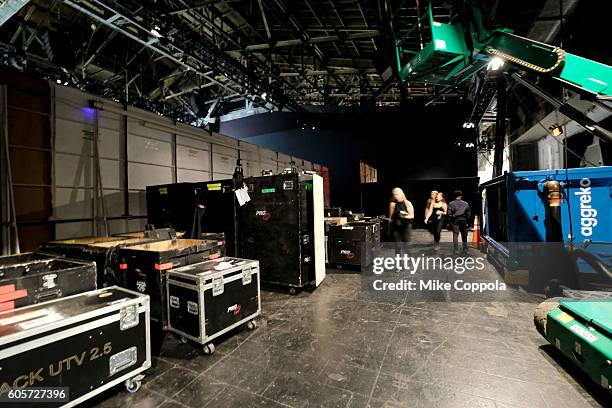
(464, 234)
(455, 235)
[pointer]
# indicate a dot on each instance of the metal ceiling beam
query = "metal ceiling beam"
(9, 8)
(366, 34)
(168, 50)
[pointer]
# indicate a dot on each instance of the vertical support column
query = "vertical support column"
(8, 218)
(126, 180)
(500, 126)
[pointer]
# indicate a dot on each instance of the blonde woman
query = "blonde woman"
(438, 217)
(401, 215)
(429, 207)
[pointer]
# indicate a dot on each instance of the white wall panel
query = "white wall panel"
(69, 203)
(223, 163)
(110, 144)
(113, 200)
(267, 154)
(284, 158)
(72, 171)
(251, 168)
(147, 150)
(186, 175)
(73, 137)
(138, 202)
(73, 230)
(142, 175)
(192, 142)
(221, 176)
(269, 165)
(112, 173)
(226, 151)
(192, 158)
(308, 165)
(138, 128)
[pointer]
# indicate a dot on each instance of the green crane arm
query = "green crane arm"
(448, 60)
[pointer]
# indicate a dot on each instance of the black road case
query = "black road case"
(208, 299)
(171, 206)
(278, 230)
(86, 249)
(354, 243)
(144, 268)
(27, 283)
(87, 343)
(175, 205)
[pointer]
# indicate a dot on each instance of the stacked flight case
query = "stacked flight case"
(30, 278)
(144, 268)
(89, 249)
(210, 207)
(79, 345)
(353, 244)
(283, 227)
(208, 299)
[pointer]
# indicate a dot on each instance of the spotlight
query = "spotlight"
(155, 31)
(59, 81)
(314, 128)
(93, 27)
(468, 125)
(65, 82)
(556, 130)
(264, 95)
(495, 64)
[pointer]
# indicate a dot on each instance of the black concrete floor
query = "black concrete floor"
(340, 347)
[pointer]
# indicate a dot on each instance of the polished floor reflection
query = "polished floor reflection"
(342, 347)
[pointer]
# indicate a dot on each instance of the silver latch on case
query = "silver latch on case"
(174, 302)
(122, 360)
(49, 280)
(128, 317)
(217, 286)
(246, 276)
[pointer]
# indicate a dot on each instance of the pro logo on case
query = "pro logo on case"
(174, 302)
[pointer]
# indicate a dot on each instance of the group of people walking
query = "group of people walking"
(437, 213)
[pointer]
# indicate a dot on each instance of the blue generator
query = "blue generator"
(519, 212)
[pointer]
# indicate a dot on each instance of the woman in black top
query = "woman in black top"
(439, 210)
(401, 214)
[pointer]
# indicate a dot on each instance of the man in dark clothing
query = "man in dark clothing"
(459, 214)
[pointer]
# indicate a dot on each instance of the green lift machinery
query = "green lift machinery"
(579, 326)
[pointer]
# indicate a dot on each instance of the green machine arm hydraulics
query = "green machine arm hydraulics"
(461, 48)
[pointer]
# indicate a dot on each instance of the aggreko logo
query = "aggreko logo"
(588, 214)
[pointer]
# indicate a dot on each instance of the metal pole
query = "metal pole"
(500, 126)
(10, 236)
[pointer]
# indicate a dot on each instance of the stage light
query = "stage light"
(556, 130)
(468, 125)
(155, 31)
(59, 81)
(264, 95)
(495, 64)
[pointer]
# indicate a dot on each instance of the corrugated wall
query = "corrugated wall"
(136, 148)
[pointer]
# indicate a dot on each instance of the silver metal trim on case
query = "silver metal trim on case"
(217, 286)
(174, 302)
(203, 339)
(122, 360)
(143, 300)
(246, 276)
(9, 338)
(128, 317)
(192, 307)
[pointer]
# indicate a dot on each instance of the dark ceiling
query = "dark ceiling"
(197, 59)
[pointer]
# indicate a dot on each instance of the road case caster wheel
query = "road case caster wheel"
(184, 340)
(292, 291)
(209, 349)
(251, 325)
(132, 385)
